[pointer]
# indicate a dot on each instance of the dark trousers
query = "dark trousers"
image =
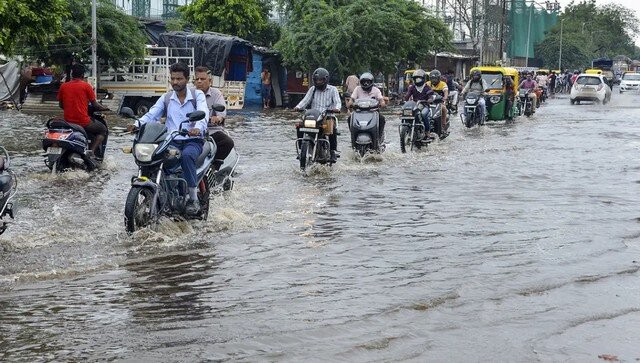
(224, 145)
(190, 149)
(95, 128)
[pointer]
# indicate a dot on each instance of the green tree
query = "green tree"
(242, 18)
(29, 21)
(349, 36)
(119, 36)
(590, 31)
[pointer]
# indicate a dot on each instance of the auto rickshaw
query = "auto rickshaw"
(496, 94)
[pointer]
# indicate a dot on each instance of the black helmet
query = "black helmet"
(419, 77)
(476, 75)
(366, 81)
(320, 78)
(435, 77)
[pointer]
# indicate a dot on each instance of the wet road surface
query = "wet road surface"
(510, 242)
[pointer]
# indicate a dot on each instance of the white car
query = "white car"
(590, 87)
(630, 82)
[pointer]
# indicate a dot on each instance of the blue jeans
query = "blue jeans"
(190, 149)
(426, 119)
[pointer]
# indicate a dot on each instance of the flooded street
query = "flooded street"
(513, 242)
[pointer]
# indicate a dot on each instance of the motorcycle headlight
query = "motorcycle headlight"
(144, 152)
(310, 123)
(494, 99)
(407, 112)
(472, 101)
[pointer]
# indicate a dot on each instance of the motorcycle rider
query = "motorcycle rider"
(215, 127)
(542, 81)
(419, 91)
(453, 89)
(181, 102)
(531, 85)
(477, 84)
(510, 94)
(322, 97)
(366, 89)
(440, 87)
(74, 98)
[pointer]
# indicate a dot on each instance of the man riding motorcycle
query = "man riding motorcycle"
(477, 84)
(440, 87)
(453, 89)
(419, 91)
(183, 101)
(531, 85)
(322, 96)
(366, 89)
(74, 98)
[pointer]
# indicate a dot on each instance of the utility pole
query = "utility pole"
(502, 21)
(94, 44)
(529, 34)
(560, 58)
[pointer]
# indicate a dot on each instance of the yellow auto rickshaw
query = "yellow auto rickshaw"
(497, 96)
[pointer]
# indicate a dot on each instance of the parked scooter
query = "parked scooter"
(160, 189)
(472, 115)
(525, 106)
(8, 187)
(364, 124)
(66, 145)
(312, 144)
(411, 127)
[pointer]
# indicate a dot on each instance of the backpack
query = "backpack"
(167, 100)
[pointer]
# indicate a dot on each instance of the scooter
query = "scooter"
(160, 188)
(312, 143)
(66, 145)
(8, 187)
(364, 124)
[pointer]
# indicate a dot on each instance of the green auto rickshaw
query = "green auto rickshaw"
(497, 94)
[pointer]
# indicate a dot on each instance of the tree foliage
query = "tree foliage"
(590, 31)
(242, 18)
(119, 36)
(348, 36)
(29, 21)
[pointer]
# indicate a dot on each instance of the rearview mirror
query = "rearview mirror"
(127, 112)
(219, 108)
(196, 116)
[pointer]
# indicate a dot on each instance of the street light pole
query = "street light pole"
(560, 58)
(94, 44)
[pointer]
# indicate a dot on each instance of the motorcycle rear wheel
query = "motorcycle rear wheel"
(137, 209)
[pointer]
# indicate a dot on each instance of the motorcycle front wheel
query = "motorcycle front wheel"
(361, 149)
(405, 138)
(137, 209)
(304, 155)
(203, 198)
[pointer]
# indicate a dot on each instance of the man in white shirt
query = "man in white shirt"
(181, 102)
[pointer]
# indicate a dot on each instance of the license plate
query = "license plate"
(304, 129)
(54, 150)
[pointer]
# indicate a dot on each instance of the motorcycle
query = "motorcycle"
(471, 115)
(8, 187)
(364, 124)
(525, 106)
(312, 144)
(160, 188)
(451, 107)
(411, 126)
(66, 145)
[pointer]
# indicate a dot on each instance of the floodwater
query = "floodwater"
(514, 242)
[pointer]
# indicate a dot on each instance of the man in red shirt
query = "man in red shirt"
(74, 98)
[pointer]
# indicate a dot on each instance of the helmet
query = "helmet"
(419, 77)
(476, 75)
(366, 81)
(435, 77)
(320, 78)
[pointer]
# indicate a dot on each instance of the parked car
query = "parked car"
(590, 87)
(630, 82)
